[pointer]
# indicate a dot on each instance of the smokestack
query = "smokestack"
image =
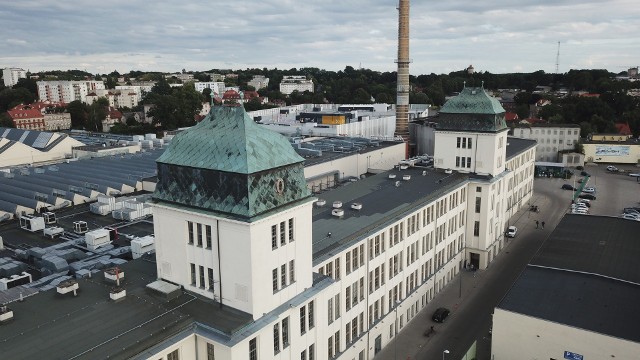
(402, 100)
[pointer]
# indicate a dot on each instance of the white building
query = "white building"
(180, 76)
(270, 272)
(12, 75)
(117, 98)
(258, 82)
(293, 83)
(551, 138)
(67, 91)
(216, 87)
(139, 90)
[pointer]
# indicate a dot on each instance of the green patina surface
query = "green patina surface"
(229, 140)
(473, 100)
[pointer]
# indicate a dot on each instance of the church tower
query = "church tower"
(471, 134)
(232, 214)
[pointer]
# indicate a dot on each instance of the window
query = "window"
(201, 268)
(469, 143)
(458, 142)
(174, 355)
(312, 349)
(199, 235)
(476, 228)
(336, 339)
(276, 338)
(291, 237)
(208, 233)
(193, 274)
(457, 161)
(464, 143)
(285, 332)
(283, 275)
(330, 310)
(303, 355)
(190, 228)
(468, 162)
(211, 355)
(311, 319)
(253, 349)
(337, 268)
(274, 275)
(303, 320)
(283, 239)
(211, 282)
(274, 237)
(292, 271)
(347, 262)
(478, 203)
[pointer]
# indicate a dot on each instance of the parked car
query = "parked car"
(584, 173)
(634, 175)
(512, 231)
(612, 168)
(580, 167)
(440, 315)
(580, 211)
(589, 190)
(630, 217)
(567, 187)
(630, 211)
(584, 202)
(587, 196)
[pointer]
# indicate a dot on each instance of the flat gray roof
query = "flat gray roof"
(382, 203)
(515, 146)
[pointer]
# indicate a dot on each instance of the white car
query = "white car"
(512, 231)
(589, 190)
(630, 217)
(580, 211)
(612, 168)
(635, 175)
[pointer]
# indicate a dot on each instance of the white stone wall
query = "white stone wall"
(550, 140)
(487, 151)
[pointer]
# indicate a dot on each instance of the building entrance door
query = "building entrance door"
(378, 345)
(475, 260)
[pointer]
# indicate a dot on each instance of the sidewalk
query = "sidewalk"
(454, 296)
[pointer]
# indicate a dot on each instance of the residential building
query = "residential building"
(553, 139)
(141, 89)
(249, 265)
(118, 98)
(293, 83)
(217, 87)
(577, 298)
(180, 76)
(40, 116)
(259, 82)
(67, 91)
(12, 75)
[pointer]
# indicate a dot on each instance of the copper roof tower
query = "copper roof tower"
(402, 100)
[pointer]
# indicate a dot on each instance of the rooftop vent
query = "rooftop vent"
(424, 173)
(392, 176)
(337, 204)
(67, 287)
(448, 171)
(6, 314)
(337, 212)
(397, 183)
(356, 206)
(406, 177)
(321, 202)
(404, 167)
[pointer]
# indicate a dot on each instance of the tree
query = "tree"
(96, 113)
(5, 121)
(384, 98)
(361, 96)
(78, 112)
(418, 98)
(28, 84)
(12, 97)
(161, 87)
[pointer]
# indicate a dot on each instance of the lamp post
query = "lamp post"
(444, 352)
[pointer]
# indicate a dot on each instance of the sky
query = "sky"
(169, 35)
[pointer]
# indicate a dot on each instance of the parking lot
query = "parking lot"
(614, 190)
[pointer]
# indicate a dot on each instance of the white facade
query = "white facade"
(517, 334)
(139, 90)
(216, 87)
(258, 82)
(300, 83)
(57, 121)
(463, 151)
(12, 75)
(67, 91)
(117, 98)
(551, 139)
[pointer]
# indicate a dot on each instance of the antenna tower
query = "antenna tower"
(558, 59)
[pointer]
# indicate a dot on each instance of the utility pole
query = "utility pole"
(558, 59)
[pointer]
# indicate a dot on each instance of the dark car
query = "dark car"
(440, 315)
(587, 196)
(580, 167)
(584, 173)
(567, 187)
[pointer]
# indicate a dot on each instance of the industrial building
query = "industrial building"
(24, 147)
(577, 297)
(612, 148)
(250, 265)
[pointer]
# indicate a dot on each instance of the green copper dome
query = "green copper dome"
(229, 140)
(229, 166)
(473, 110)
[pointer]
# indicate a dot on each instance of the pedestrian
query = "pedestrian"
(537, 223)
(543, 224)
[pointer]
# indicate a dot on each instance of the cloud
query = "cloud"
(169, 35)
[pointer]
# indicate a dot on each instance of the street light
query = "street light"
(444, 352)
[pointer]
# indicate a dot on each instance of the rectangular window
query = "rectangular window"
(476, 228)
(211, 355)
(478, 204)
(469, 143)
(337, 306)
(291, 236)
(190, 229)
(211, 282)
(199, 234)
(276, 338)
(292, 271)
(303, 320)
(283, 239)
(201, 268)
(274, 237)
(347, 262)
(312, 353)
(285, 332)
(457, 161)
(193, 274)
(330, 347)
(469, 162)
(311, 315)
(283, 275)
(253, 349)
(174, 355)
(303, 355)
(208, 233)
(274, 274)
(464, 143)
(458, 142)
(336, 339)
(337, 268)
